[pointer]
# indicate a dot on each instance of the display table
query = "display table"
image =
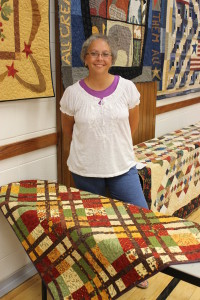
(186, 272)
(171, 177)
(85, 246)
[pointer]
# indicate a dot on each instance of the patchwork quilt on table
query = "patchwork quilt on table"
(89, 247)
(25, 70)
(173, 161)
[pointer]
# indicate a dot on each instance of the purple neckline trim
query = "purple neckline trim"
(101, 94)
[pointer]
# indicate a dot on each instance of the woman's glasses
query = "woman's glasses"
(95, 54)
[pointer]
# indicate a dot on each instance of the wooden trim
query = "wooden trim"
(177, 105)
(26, 146)
(146, 128)
(63, 174)
(59, 92)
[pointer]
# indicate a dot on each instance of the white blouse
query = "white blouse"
(101, 142)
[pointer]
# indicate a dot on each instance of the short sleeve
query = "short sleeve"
(67, 102)
(133, 95)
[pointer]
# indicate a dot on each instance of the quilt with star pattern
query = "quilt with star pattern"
(25, 68)
(85, 246)
(126, 24)
(175, 51)
(156, 40)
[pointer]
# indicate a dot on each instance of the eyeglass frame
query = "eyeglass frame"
(95, 54)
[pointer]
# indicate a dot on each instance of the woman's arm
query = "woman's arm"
(67, 125)
(134, 119)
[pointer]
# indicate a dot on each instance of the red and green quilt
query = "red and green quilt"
(85, 246)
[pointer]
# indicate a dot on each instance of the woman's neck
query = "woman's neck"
(99, 82)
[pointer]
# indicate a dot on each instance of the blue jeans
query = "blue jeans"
(125, 187)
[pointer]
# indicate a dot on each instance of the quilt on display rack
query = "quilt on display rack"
(176, 50)
(173, 170)
(85, 246)
(125, 22)
(24, 50)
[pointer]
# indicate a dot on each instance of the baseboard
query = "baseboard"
(16, 279)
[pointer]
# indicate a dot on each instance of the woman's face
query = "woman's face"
(98, 57)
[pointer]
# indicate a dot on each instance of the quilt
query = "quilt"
(156, 40)
(125, 22)
(173, 164)
(25, 70)
(176, 54)
(85, 246)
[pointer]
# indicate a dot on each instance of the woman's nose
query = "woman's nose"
(100, 56)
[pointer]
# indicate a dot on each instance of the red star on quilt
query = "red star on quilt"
(11, 70)
(27, 49)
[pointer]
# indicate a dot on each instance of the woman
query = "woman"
(100, 114)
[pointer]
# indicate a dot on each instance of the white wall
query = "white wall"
(21, 120)
(179, 118)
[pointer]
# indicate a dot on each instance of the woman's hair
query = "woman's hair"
(95, 37)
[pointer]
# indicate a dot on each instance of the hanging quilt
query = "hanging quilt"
(125, 22)
(177, 61)
(25, 70)
(156, 40)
